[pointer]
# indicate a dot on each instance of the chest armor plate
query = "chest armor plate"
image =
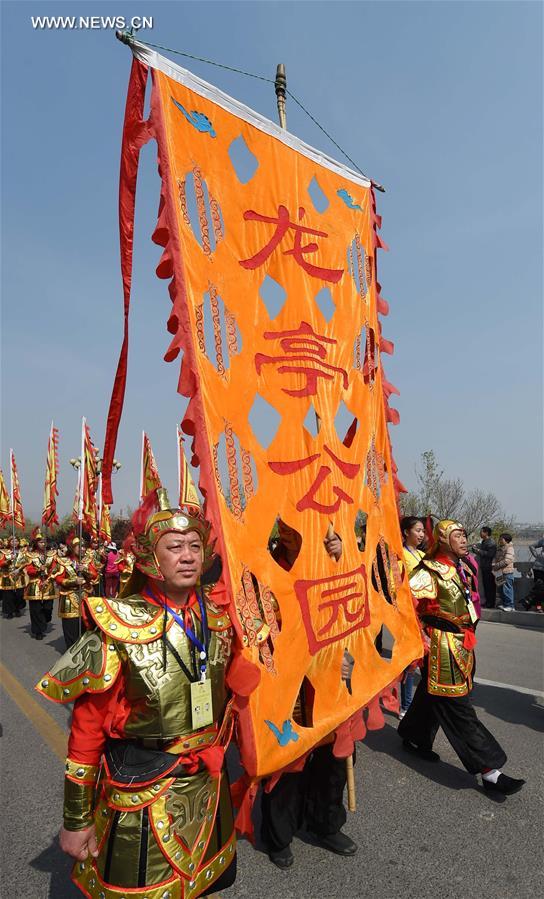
(158, 690)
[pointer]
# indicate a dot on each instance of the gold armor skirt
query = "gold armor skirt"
(168, 839)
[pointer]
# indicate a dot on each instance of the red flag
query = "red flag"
(18, 516)
(149, 475)
(50, 492)
(5, 504)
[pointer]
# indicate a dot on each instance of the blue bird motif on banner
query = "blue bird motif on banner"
(286, 734)
(348, 199)
(197, 119)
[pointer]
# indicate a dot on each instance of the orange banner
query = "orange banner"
(18, 516)
(50, 492)
(5, 505)
(271, 248)
(85, 501)
(149, 475)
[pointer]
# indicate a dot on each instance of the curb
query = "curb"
(521, 619)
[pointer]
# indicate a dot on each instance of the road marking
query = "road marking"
(46, 726)
(493, 683)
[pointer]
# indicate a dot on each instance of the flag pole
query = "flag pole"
(80, 513)
(142, 467)
(178, 451)
(281, 89)
(12, 508)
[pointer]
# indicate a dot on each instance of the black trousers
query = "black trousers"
(476, 747)
(12, 601)
(8, 602)
(490, 588)
(40, 615)
(311, 799)
(71, 630)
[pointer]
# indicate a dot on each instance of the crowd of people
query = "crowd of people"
(136, 739)
(35, 573)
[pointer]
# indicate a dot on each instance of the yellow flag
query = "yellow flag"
(50, 492)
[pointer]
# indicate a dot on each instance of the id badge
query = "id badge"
(201, 704)
(472, 611)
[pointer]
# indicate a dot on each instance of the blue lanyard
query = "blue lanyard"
(411, 551)
(202, 647)
(464, 580)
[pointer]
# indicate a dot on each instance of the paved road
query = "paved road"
(425, 831)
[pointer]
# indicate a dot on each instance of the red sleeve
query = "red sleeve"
(3, 562)
(31, 570)
(61, 576)
(87, 733)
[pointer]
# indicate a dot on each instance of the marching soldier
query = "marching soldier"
(20, 549)
(74, 579)
(94, 560)
(125, 565)
(6, 586)
(444, 587)
(39, 591)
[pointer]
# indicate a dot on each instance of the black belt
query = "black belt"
(441, 624)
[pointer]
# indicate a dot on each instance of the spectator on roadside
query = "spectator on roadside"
(111, 572)
(413, 537)
(503, 569)
(485, 553)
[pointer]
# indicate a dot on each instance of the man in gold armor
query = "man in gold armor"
(14, 563)
(147, 807)
(7, 594)
(39, 569)
(74, 579)
(125, 564)
(95, 556)
(443, 586)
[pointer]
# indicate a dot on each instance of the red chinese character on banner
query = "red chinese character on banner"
(303, 352)
(333, 607)
(299, 252)
(308, 501)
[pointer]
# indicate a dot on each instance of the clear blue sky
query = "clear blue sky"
(441, 102)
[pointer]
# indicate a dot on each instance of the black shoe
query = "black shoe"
(427, 754)
(338, 842)
(18, 613)
(505, 785)
(39, 637)
(282, 858)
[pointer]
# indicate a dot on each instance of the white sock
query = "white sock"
(492, 776)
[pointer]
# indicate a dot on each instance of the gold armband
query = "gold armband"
(79, 789)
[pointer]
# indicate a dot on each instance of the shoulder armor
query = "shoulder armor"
(130, 619)
(422, 583)
(446, 572)
(218, 619)
(91, 665)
